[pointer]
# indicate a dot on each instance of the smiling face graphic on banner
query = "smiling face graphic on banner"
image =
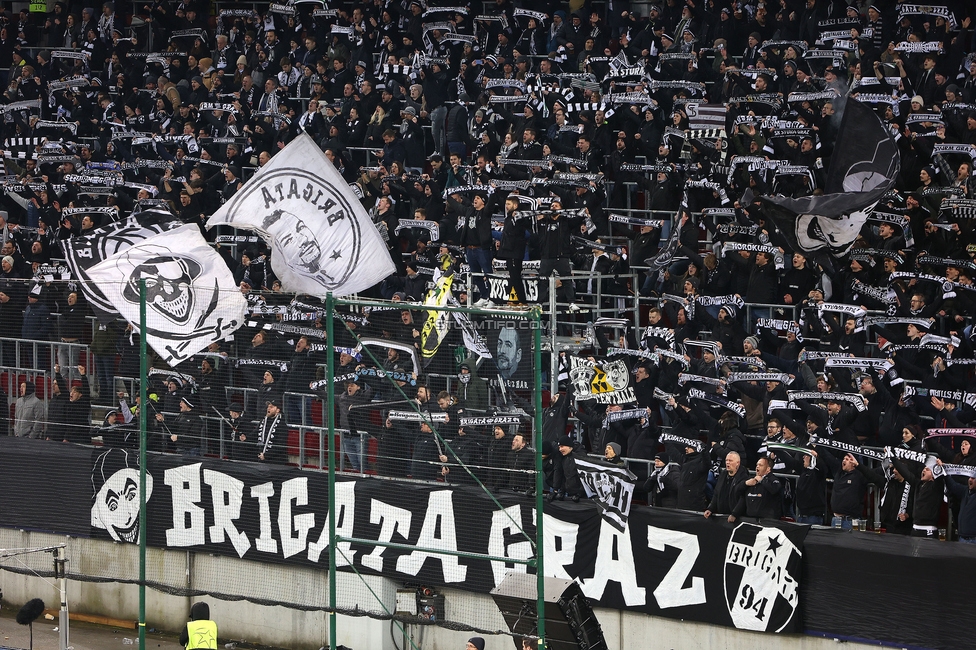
(115, 479)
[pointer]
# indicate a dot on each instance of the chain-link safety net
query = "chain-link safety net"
(446, 394)
(433, 425)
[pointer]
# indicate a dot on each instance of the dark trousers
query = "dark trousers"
(562, 268)
(479, 260)
(514, 267)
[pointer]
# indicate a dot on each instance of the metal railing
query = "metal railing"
(872, 501)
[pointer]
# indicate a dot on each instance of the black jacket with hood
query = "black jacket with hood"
(198, 612)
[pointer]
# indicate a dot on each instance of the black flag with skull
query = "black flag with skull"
(863, 168)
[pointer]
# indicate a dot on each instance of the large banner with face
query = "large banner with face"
(510, 344)
(745, 575)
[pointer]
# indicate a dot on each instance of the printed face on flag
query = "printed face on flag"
(507, 352)
(321, 238)
(191, 297)
(814, 232)
(863, 167)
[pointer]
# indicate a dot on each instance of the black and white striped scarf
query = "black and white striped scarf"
(266, 436)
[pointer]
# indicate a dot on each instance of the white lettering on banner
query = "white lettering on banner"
(226, 495)
(438, 517)
(345, 509)
(502, 524)
(614, 562)
(560, 545)
(672, 592)
(748, 557)
(499, 289)
(760, 564)
(265, 542)
(185, 486)
(390, 519)
(761, 593)
(296, 490)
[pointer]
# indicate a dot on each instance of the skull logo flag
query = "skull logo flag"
(87, 250)
(322, 240)
(863, 168)
(191, 298)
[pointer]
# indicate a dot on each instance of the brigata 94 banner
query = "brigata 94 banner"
(663, 562)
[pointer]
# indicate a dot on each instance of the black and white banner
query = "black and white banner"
(859, 362)
(321, 237)
(857, 450)
(928, 10)
(735, 407)
(489, 421)
(661, 562)
(431, 226)
(501, 290)
(711, 301)
(851, 398)
(953, 470)
(191, 297)
(678, 440)
(84, 252)
(862, 169)
(417, 416)
(613, 488)
(607, 382)
(781, 377)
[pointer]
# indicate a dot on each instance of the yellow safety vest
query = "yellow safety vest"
(203, 635)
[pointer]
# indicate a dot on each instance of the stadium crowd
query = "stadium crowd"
(632, 150)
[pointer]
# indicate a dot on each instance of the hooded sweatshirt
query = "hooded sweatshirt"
(29, 415)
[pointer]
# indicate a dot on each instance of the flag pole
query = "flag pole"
(143, 371)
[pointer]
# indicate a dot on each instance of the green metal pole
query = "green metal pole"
(143, 532)
(330, 419)
(540, 602)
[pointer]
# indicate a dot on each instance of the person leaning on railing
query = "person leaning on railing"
(566, 480)
(763, 495)
(850, 486)
(967, 507)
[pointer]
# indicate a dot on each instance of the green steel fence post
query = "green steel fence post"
(143, 533)
(330, 419)
(539, 534)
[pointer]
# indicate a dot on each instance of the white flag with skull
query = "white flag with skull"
(191, 297)
(322, 240)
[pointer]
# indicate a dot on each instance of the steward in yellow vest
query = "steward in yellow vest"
(200, 633)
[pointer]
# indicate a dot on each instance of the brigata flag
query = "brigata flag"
(863, 168)
(191, 297)
(612, 486)
(85, 251)
(321, 238)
